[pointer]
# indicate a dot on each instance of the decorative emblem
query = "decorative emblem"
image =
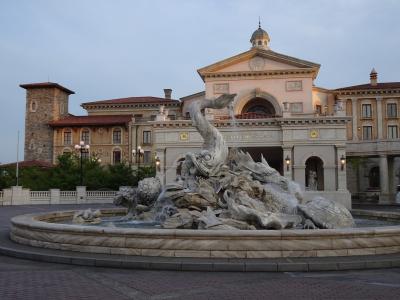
(314, 133)
(257, 63)
(184, 136)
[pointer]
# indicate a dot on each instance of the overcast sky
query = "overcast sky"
(112, 49)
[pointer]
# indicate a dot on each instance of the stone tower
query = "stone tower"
(45, 102)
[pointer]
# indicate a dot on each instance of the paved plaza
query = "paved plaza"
(25, 279)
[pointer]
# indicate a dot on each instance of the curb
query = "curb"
(206, 265)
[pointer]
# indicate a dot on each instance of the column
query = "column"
(160, 172)
(81, 194)
(287, 168)
(54, 196)
(355, 118)
(384, 178)
(342, 175)
(379, 119)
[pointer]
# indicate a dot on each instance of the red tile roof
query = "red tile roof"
(368, 86)
(92, 120)
(29, 163)
(46, 85)
(133, 100)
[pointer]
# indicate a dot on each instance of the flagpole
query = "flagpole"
(17, 171)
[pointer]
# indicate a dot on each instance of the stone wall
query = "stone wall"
(43, 105)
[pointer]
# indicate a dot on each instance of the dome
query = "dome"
(260, 38)
(259, 34)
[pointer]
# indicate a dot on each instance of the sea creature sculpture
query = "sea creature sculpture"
(216, 194)
(88, 216)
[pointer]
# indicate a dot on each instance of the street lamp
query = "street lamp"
(157, 163)
(342, 162)
(82, 148)
(287, 160)
(139, 152)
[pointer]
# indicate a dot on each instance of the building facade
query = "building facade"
(305, 132)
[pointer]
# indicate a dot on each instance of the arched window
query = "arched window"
(67, 137)
(116, 156)
(67, 151)
(117, 136)
(33, 106)
(258, 107)
(85, 136)
(314, 174)
(373, 178)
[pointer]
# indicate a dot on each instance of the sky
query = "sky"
(112, 49)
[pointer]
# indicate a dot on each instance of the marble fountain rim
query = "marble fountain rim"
(37, 221)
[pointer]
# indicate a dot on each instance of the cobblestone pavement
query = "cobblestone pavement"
(24, 279)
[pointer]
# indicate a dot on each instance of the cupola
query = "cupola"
(260, 38)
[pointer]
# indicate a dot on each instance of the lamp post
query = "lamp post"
(157, 163)
(342, 162)
(287, 160)
(82, 148)
(137, 153)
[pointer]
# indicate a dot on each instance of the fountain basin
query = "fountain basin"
(42, 230)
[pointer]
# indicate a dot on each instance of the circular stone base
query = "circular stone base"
(36, 230)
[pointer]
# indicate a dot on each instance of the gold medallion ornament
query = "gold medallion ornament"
(184, 136)
(314, 133)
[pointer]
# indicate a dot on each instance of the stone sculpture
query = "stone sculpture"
(87, 216)
(140, 199)
(214, 192)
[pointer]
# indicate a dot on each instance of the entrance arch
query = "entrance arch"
(257, 101)
(314, 174)
(259, 107)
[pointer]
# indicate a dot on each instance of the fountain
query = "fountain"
(224, 205)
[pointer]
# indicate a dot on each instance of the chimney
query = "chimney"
(167, 93)
(373, 76)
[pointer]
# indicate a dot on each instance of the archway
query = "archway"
(256, 100)
(314, 174)
(258, 107)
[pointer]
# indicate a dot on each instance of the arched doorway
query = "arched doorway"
(258, 108)
(179, 167)
(374, 178)
(314, 174)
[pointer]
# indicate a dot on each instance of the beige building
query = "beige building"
(301, 129)
(373, 146)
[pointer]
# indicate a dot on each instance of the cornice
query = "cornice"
(257, 74)
(367, 92)
(330, 120)
(130, 105)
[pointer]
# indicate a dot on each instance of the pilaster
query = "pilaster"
(379, 117)
(384, 178)
(355, 118)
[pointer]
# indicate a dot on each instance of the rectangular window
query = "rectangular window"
(67, 138)
(116, 156)
(146, 137)
(318, 109)
(366, 111)
(85, 137)
(147, 157)
(296, 107)
(85, 154)
(392, 132)
(367, 132)
(117, 136)
(392, 110)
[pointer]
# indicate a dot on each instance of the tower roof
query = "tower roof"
(42, 85)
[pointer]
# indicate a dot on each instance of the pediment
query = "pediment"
(258, 60)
